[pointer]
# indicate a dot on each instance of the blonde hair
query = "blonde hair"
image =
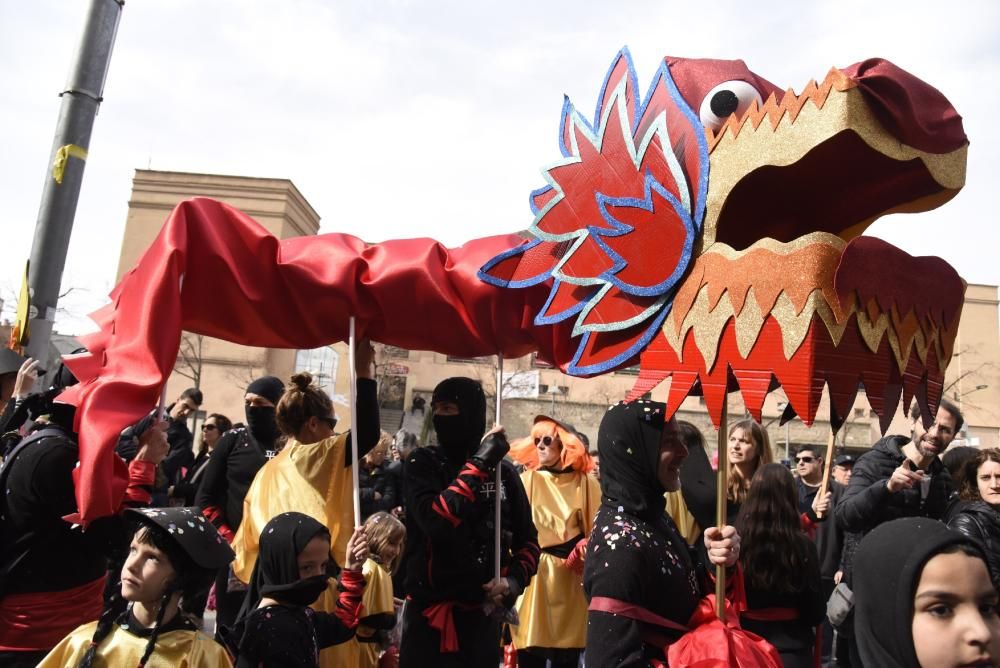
(384, 441)
(572, 455)
(301, 401)
(738, 487)
(383, 529)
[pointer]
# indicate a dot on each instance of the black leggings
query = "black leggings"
(527, 659)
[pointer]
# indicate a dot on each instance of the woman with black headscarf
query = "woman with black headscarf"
(275, 627)
(923, 597)
(638, 566)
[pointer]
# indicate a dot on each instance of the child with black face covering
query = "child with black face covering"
(275, 626)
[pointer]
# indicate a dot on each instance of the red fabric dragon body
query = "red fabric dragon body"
(707, 230)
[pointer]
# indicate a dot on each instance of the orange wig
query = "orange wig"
(573, 454)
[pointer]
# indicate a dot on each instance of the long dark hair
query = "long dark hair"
(774, 551)
(968, 483)
(190, 580)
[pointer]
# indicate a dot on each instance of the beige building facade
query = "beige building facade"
(222, 370)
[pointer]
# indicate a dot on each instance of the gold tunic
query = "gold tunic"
(174, 649)
(377, 600)
(311, 479)
(687, 525)
(553, 610)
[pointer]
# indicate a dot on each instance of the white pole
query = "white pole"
(351, 352)
(496, 518)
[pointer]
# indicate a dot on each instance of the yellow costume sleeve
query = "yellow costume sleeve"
(307, 478)
(685, 521)
(591, 502)
(378, 590)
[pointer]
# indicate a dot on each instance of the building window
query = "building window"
(470, 360)
(321, 363)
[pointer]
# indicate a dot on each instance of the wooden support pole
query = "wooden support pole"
(827, 464)
(721, 510)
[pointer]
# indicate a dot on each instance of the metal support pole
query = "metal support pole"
(80, 102)
(499, 481)
(355, 474)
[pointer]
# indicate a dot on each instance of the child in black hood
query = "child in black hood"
(923, 597)
(275, 626)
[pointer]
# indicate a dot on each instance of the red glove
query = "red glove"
(575, 560)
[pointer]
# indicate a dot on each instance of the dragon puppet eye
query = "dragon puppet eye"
(729, 97)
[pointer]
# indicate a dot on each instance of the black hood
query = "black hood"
(459, 435)
(887, 568)
(276, 572)
(628, 442)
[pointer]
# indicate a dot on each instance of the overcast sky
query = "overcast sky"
(402, 118)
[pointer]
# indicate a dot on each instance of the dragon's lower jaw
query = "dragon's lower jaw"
(820, 312)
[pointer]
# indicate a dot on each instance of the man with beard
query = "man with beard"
(898, 477)
(234, 462)
(454, 611)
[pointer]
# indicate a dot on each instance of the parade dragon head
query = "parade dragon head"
(710, 231)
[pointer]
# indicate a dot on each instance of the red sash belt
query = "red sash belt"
(441, 616)
(771, 614)
(38, 621)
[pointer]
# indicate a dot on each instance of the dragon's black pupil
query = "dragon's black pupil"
(724, 103)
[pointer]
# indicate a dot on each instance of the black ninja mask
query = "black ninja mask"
(459, 435)
(263, 424)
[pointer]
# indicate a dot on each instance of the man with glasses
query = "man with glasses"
(829, 538)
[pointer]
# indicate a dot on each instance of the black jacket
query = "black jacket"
(829, 536)
(981, 522)
(39, 550)
(450, 529)
(377, 479)
(867, 501)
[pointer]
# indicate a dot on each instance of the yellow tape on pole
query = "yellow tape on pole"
(62, 157)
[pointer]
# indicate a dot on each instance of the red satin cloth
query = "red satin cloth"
(38, 621)
(441, 616)
(215, 271)
(913, 111)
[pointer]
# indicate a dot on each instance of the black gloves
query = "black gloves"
(491, 451)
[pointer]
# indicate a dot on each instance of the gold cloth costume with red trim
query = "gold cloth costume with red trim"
(552, 609)
(174, 649)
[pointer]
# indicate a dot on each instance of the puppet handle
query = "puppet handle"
(496, 491)
(355, 475)
(721, 497)
(826, 468)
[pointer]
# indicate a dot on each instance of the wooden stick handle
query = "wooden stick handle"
(721, 510)
(826, 468)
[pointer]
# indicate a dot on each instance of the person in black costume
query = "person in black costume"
(52, 573)
(231, 468)
(635, 555)
(450, 496)
(276, 629)
(978, 514)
